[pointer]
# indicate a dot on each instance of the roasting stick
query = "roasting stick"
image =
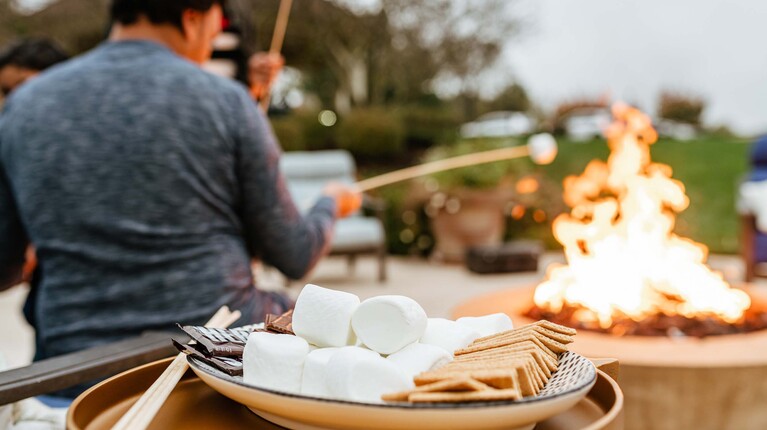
(542, 151)
(280, 27)
(143, 411)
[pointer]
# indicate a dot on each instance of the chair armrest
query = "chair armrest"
(67, 370)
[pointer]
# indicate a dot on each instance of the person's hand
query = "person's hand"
(263, 69)
(30, 263)
(348, 198)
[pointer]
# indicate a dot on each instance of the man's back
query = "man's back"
(140, 184)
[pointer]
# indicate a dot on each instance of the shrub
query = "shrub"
(302, 131)
(426, 126)
(681, 107)
(289, 132)
(316, 135)
(482, 176)
(513, 98)
(371, 134)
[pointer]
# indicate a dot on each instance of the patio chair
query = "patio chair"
(753, 243)
(753, 248)
(307, 173)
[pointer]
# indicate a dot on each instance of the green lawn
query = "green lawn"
(710, 168)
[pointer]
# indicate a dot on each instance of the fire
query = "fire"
(623, 257)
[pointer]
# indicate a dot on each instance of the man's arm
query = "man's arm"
(275, 231)
(13, 239)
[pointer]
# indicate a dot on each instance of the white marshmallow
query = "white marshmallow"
(387, 324)
(448, 335)
(488, 324)
(323, 316)
(361, 375)
(314, 381)
(274, 361)
(543, 148)
(420, 357)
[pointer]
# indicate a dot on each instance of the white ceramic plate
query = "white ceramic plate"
(567, 386)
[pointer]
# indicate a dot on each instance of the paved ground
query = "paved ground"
(437, 287)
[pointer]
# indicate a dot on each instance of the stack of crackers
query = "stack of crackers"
(505, 366)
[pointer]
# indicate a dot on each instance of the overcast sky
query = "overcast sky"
(635, 48)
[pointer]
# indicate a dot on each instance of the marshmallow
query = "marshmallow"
(488, 324)
(448, 335)
(543, 148)
(313, 382)
(419, 357)
(361, 375)
(323, 316)
(387, 324)
(274, 361)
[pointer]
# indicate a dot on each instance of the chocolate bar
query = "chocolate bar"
(280, 323)
(220, 342)
(228, 365)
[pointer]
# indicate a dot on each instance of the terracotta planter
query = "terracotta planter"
(478, 220)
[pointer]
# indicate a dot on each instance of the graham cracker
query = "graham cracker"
(542, 323)
(508, 360)
(519, 338)
(500, 353)
(461, 384)
(496, 378)
(475, 396)
(546, 362)
(530, 381)
(558, 337)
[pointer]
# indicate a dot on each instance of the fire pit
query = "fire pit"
(693, 350)
(716, 382)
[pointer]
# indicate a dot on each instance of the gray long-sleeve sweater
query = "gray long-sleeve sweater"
(146, 186)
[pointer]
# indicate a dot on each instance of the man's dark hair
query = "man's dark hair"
(158, 11)
(34, 54)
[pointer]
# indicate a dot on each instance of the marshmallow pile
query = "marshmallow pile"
(345, 349)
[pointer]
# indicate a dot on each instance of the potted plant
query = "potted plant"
(468, 206)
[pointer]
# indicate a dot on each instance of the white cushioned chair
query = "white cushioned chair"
(307, 173)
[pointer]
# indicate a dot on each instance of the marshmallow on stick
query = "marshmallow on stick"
(542, 149)
(387, 324)
(323, 316)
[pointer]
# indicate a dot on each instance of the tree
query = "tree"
(464, 38)
(681, 107)
(78, 25)
(513, 98)
(395, 54)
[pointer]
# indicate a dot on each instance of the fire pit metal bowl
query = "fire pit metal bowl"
(717, 382)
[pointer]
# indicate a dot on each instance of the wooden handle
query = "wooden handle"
(280, 27)
(442, 165)
(143, 411)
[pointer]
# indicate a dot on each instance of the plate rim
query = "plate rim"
(196, 366)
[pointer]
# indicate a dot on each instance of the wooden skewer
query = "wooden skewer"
(140, 415)
(280, 27)
(442, 165)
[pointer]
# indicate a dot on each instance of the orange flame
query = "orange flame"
(623, 257)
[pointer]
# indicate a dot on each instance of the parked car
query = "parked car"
(499, 124)
(676, 130)
(586, 124)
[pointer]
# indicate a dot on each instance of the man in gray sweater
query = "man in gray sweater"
(147, 186)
